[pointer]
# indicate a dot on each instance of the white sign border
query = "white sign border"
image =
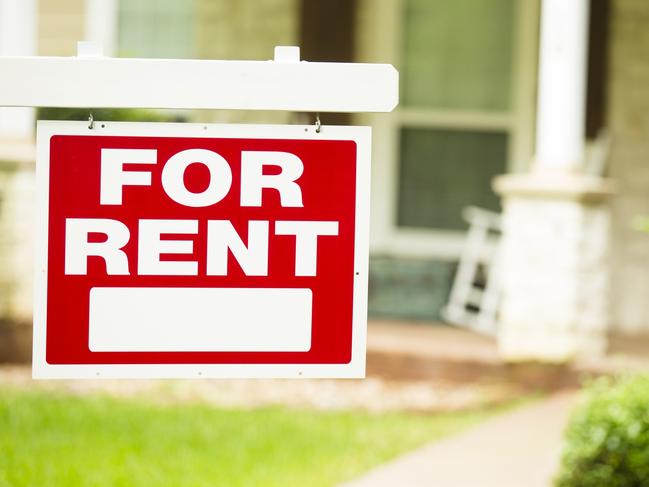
(354, 369)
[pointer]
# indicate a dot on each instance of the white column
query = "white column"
(17, 38)
(562, 85)
(101, 24)
(18, 20)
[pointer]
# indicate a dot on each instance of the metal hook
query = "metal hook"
(318, 125)
(91, 122)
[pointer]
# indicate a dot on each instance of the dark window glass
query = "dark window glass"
(442, 171)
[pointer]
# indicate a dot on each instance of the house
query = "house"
(505, 104)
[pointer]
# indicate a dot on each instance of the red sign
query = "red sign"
(183, 250)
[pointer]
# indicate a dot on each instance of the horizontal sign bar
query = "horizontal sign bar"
(152, 319)
(96, 82)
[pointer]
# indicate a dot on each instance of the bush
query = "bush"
(608, 436)
(108, 114)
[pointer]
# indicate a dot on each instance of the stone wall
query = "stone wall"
(629, 164)
(20, 210)
(17, 205)
(17, 196)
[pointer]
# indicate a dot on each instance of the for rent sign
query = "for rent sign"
(185, 250)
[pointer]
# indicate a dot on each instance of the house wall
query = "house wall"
(248, 30)
(629, 162)
(61, 24)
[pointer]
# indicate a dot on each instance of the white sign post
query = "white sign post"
(286, 83)
(200, 250)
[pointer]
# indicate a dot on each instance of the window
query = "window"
(456, 61)
(466, 114)
(457, 55)
(442, 171)
(156, 28)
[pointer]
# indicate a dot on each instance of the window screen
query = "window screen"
(442, 171)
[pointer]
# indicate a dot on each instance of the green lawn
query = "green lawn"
(51, 439)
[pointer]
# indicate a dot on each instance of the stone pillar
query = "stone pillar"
(555, 252)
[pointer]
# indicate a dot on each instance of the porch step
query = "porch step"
(436, 352)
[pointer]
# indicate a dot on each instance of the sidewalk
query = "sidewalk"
(520, 448)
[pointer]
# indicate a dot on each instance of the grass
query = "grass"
(51, 439)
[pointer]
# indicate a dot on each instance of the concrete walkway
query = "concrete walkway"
(519, 448)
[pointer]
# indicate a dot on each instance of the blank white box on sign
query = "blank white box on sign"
(156, 319)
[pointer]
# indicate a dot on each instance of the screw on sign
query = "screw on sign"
(167, 250)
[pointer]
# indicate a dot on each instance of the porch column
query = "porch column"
(17, 38)
(18, 21)
(556, 219)
(561, 106)
(101, 24)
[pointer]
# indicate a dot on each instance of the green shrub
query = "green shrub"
(108, 114)
(608, 436)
